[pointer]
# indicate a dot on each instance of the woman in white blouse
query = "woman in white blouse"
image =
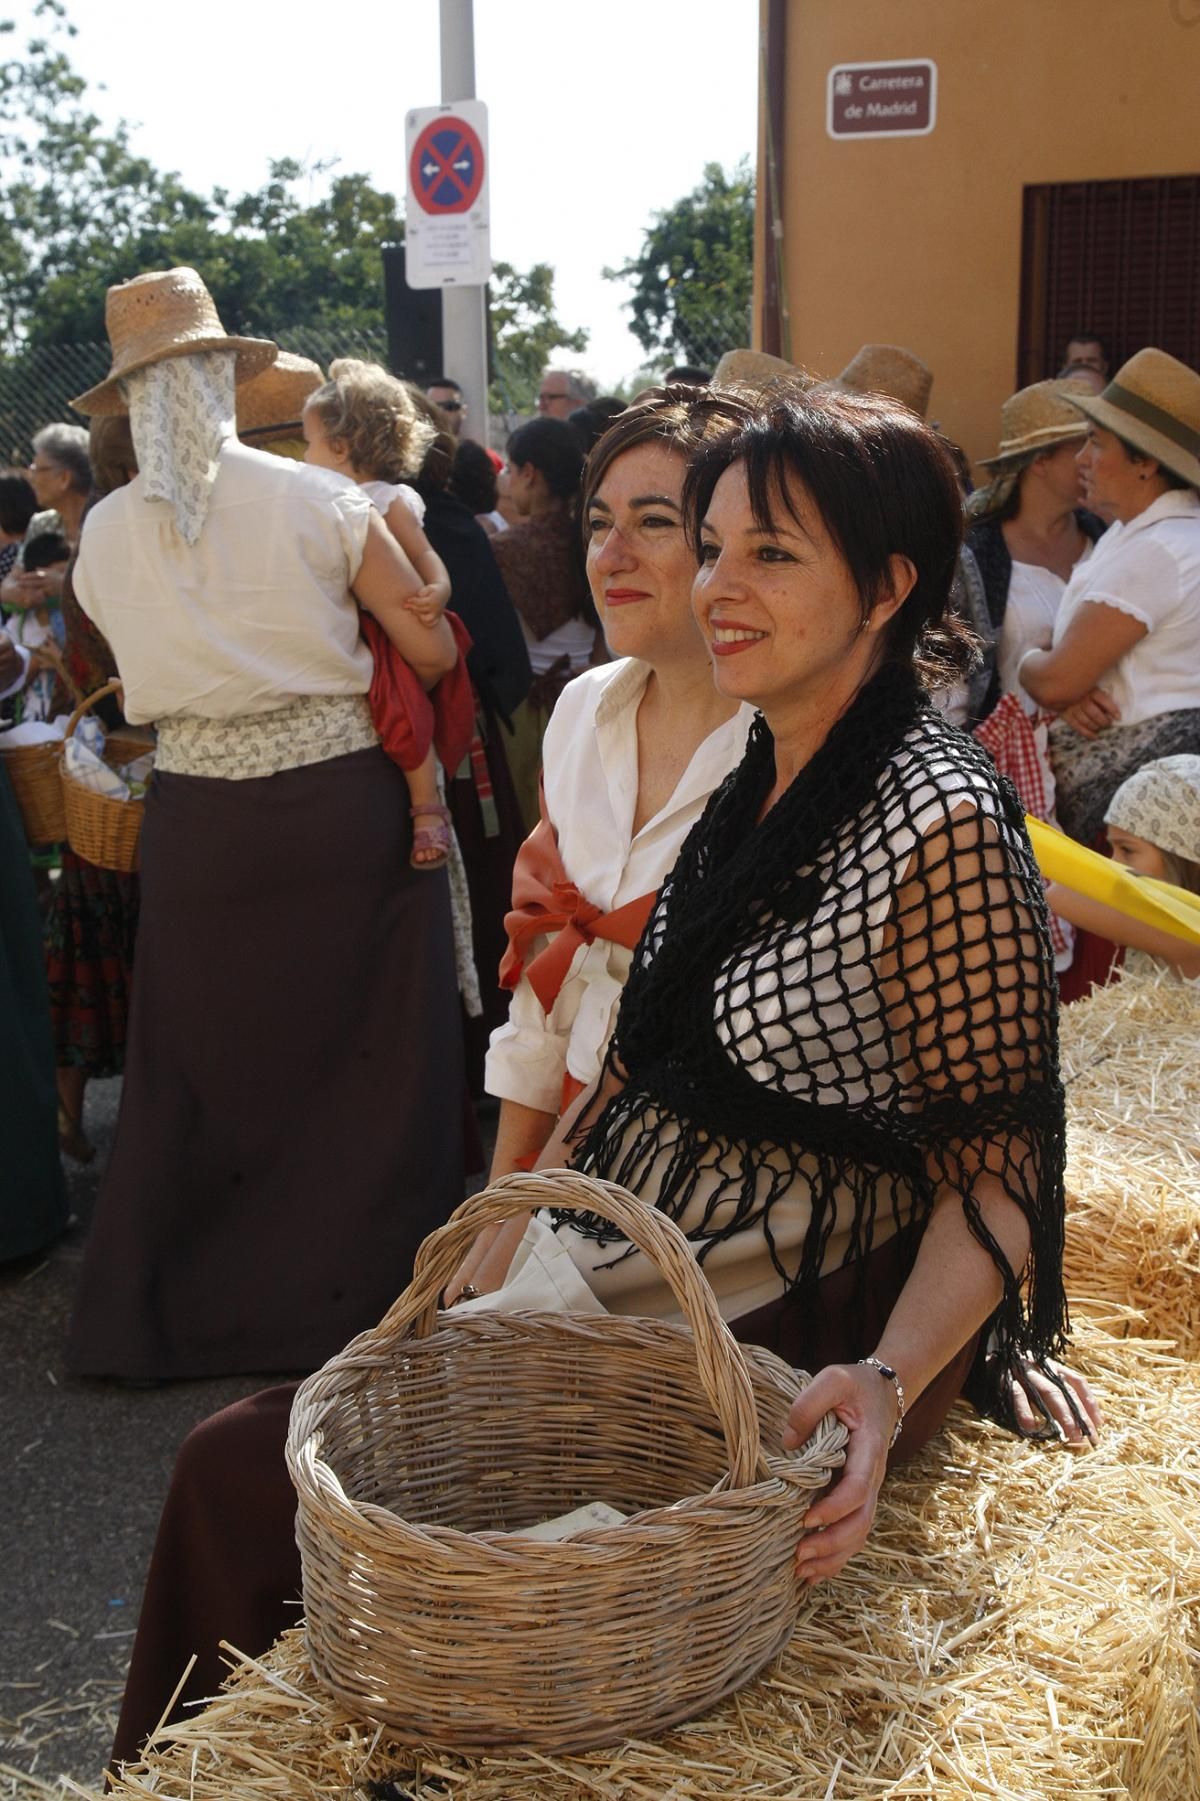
(632, 752)
(292, 1088)
(1027, 529)
(1123, 668)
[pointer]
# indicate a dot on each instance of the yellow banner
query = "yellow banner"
(1159, 904)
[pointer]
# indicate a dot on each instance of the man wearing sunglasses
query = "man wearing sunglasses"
(445, 392)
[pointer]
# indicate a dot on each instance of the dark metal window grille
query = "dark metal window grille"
(1121, 258)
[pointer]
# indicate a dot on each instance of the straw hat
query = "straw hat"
(887, 369)
(270, 404)
(1039, 417)
(756, 369)
(168, 312)
(1153, 403)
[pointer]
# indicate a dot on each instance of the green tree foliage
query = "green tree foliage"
(525, 329)
(68, 189)
(80, 210)
(694, 275)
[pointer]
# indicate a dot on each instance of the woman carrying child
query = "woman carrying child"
(362, 423)
(290, 1125)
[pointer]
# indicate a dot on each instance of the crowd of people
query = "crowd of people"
(652, 786)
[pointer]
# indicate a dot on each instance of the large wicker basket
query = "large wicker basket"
(420, 1448)
(104, 831)
(37, 788)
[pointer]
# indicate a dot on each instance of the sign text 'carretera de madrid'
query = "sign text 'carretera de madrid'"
(882, 100)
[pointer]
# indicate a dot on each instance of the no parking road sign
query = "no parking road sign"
(447, 235)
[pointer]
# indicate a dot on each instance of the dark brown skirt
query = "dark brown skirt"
(225, 1563)
(291, 1123)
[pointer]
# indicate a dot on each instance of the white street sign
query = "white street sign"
(447, 238)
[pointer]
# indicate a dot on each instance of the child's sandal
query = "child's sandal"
(435, 838)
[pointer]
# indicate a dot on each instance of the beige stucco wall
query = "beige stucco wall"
(917, 241)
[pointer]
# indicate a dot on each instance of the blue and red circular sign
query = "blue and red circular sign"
(446, 170)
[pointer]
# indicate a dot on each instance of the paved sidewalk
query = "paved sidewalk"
(85, 1467)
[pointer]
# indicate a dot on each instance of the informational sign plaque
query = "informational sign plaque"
(882, 100)
(447, 236)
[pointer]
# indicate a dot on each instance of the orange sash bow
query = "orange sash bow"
(545, 901)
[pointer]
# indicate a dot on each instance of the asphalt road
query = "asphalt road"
(84, 1467)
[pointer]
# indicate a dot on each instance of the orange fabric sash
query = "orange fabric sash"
(545, 901)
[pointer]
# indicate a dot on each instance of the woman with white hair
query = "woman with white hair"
(61, 477)
(290, 1127)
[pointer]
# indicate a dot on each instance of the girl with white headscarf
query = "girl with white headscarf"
(1153, 826)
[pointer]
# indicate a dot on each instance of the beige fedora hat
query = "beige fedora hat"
(168, 312)
(757, 369)
(887, 369)
(1153, 403)
(269, 405)
(1039, 417)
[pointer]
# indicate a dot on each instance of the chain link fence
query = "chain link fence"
(37, 387)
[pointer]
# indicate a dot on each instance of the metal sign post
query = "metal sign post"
(448, 212)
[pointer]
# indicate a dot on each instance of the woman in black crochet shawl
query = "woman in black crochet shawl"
(836, 1056)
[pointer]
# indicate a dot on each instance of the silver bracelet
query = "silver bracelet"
(885, 1369)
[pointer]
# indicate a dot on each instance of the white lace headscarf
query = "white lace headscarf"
(181, 411)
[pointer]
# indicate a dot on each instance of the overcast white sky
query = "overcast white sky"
(599, 114)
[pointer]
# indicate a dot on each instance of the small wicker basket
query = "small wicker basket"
(104, 831)
(37, 787)
(430, 1440)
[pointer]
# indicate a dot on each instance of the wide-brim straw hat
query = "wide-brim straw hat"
(1153, 403)
(168, 312)
(1040, 417)
(757, 369)
(270, 404)
(888, 369)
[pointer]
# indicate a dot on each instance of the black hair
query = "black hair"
(1136, 454)
(473, 479)
(1090, 337)
(18, 503)
(676, 417)
(883, 486)
(444, 381)
(44, 550)
(553, 449)
(689, 375)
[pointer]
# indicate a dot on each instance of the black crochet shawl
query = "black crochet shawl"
(936, 1057)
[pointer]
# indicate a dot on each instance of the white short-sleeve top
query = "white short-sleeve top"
(382, 494)
(1149, 568)
(254, 616)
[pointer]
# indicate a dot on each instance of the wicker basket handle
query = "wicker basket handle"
(722, 1368)
(85, 706)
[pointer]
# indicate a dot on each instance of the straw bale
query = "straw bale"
(1131, 1065)
(1023, 1624)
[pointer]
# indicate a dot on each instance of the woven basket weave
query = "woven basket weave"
(37, 789)
(418, 1449)
(104, 831)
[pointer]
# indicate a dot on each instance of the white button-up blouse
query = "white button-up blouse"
(590, 762)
